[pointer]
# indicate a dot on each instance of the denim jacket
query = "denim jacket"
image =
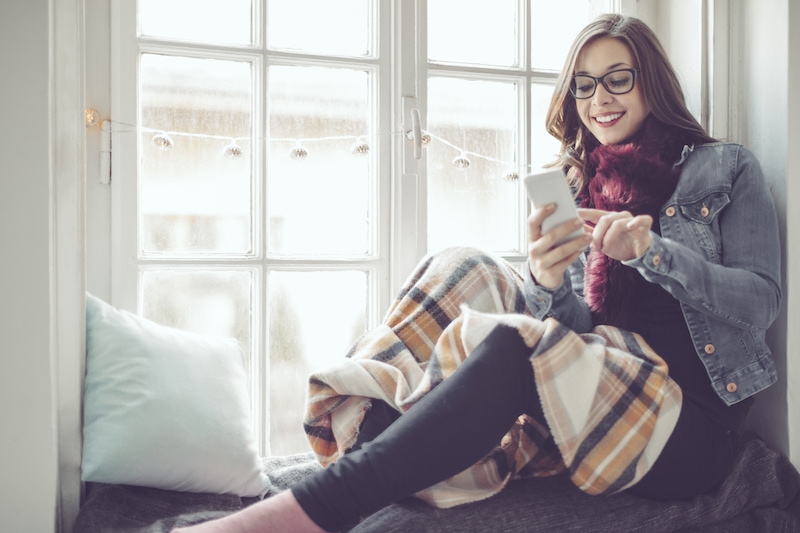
(718, 254)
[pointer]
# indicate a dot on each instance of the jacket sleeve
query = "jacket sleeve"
(742, 285)
(564, 303)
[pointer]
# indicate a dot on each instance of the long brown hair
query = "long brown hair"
(660, 88)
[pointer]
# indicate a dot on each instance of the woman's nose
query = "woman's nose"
(601, 95)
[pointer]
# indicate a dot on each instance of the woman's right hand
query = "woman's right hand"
(546, 261)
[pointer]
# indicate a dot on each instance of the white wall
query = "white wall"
(679, 25)
(793, 236)
(98, 195)
(28, 458)
(759, 96)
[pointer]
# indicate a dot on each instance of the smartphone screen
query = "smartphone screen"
(550, 185)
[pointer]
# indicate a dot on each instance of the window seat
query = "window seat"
(761, 493)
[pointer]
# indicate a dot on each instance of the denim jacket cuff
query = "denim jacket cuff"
(655, 258)
(540, 299)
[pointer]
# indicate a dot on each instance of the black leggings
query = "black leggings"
(461, 420)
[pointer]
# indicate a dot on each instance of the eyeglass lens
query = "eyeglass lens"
(615, 82)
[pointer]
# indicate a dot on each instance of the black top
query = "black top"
(661, 323)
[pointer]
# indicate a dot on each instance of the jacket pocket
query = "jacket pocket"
(702, 217)
(707, 209)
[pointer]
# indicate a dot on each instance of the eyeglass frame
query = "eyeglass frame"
(602, 79)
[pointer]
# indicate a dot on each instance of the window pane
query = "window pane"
(228, 22)
(194, 197)
(341, 28)
(544, 147)
(314, 317)
(207, 302)
(319, 204)
(473, 206)
(554, 26)
(475, 33)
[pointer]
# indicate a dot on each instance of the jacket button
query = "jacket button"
(704, 211)
(670, 212)
(656, 260)
(731, 387)
(709, 349)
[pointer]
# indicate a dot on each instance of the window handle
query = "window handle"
(417, 132)
(105, 153)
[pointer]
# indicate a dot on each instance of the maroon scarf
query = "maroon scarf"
(637, 177)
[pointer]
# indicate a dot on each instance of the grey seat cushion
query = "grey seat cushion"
(760, 494)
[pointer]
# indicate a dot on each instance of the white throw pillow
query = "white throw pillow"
(165, 408)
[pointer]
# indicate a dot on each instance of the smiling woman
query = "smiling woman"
(609, 102)
(620, 365)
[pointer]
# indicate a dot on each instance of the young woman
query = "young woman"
(500, 376)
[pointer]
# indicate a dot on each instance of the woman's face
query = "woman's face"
(612, 118)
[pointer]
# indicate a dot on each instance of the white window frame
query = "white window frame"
(103, 249)
(125, 263)
(403, 181)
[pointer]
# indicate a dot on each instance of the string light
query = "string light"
(298, 152)
(91, 116)
(360, 148)
(233, 150)
(162, 141)
(462, 162)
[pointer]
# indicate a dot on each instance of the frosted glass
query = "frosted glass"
(474, 206)
(228, 22)
(343, 27)
(554, 25)
(544, 147)
(207, 302)
(476, 33)
(321, 205)
(193, 199)
(314, 317)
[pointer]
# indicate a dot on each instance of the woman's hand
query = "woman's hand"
(547, 261)
(619, 235)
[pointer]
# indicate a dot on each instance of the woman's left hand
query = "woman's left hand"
(619, 235)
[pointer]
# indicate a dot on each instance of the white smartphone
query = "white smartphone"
(550, 185)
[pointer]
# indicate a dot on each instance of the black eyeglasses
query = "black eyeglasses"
(616, 82)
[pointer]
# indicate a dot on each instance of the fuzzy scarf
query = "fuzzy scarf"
(638, 177)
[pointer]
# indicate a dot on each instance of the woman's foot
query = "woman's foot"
(277, 514)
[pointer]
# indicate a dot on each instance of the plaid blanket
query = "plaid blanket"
(608, 401)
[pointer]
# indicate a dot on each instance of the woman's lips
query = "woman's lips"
(608, 119)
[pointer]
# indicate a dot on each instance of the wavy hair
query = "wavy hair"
(659, 84)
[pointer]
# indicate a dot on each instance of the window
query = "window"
(265, 186)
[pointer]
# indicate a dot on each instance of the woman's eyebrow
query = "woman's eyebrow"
(608, 69)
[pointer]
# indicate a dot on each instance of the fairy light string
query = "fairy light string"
(232, 149)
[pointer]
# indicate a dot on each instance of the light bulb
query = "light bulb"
(298, 152)
(91, 117)
(233, 151)
(360, 149)
(162, 141)
(462, 162)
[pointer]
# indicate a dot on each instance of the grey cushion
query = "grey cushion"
(761, 494)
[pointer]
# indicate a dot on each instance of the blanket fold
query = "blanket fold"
(609, 403)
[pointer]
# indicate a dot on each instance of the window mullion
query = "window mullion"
(124, 192)
(407, 185)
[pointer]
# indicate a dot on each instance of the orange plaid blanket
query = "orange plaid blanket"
(609, 403)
